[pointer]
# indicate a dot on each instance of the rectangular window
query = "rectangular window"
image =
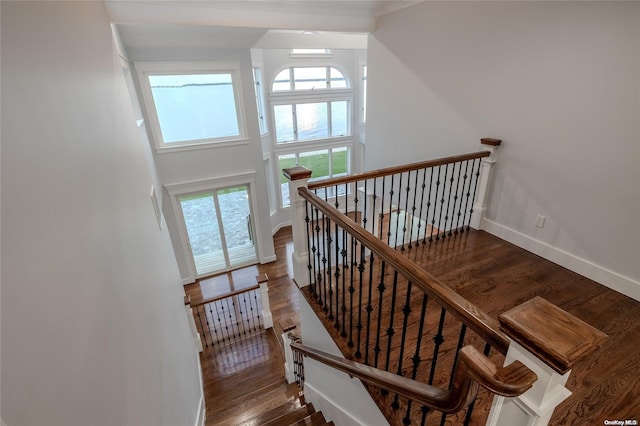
(323, 163)
(310, 52)
(192, 103)
(311, 121)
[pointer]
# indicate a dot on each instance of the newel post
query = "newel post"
(549, 341)
(486, 166)
(298, 177)
(192, 323)
(267, 318)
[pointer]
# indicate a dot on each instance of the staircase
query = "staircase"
(278, 404)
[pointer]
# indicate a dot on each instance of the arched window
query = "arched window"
(309, 78)
(310, 103)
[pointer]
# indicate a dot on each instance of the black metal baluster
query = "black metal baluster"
(455, 195)
(413, 211)
(463, 330)
(467, 418)
(369, 309)
(343, 308)
(446, 211)
(416, 355)
(215, 330)
(364, 207)
(314, 274)
(325, 243)
(390, 330)
(423, 186)
(390, 211)
(250, 324)
(233, 333)
(435, 204)
(319, 261)
(352, 289)
(406, 209)
(381, 289)
(361, 268)
(381, 224)
(438, 340)
(374, 198)
(337, 275)
(255, 324)
(225, 332)
(473, 197)
(309, 255)
(406, 310)
(464, 183)
(255, 298)
(395, 242)
(329, 240)
(444, 187)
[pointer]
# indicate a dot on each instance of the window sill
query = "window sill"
(204, 145)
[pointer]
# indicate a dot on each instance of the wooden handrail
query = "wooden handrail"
(396, 169)
(224, 296)
(487, 327)
(473, 369)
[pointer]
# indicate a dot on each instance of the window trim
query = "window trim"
(258, 85)
(146, 69)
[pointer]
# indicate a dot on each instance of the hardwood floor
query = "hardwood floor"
(495, 276)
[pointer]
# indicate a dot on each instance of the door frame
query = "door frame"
(213, 184)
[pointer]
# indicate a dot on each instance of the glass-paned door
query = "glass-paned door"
(220, 229)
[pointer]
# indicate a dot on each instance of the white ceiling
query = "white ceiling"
(244, 23)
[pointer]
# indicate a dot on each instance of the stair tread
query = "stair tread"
(314, 419)
(265, 416)
(252, 404)
(291, 416)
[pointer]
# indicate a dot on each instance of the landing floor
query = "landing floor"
(496, 276)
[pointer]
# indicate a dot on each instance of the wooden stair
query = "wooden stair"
(279, 404)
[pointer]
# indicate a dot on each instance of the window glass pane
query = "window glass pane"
(337, 79)
(339, 118)
(282, 81)
(312, 121)
(310, 78)
(284, 162)
(317, 162)
(310, 51)
(194, 107)
(283, 115)
(339, 161)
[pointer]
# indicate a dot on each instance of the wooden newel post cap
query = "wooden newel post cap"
(491, 141)
(262, 278)
(187, 300)
(297, 173)
(555, 336)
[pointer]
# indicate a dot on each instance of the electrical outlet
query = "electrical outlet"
(540, 221)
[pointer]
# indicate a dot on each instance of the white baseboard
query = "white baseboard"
(331, 410)
(268, 259)
(188, 280)
(280, 226)
(201, 413)
(613, 280)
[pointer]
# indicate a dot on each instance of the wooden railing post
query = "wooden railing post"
(486, 166)
(192, 324)
(298, 177)
(267, 318)
(549, 341)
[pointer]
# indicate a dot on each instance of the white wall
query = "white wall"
(93, 325)
(215, 162)
(559, 82)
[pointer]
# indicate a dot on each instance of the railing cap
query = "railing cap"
(262, 278)
(297, 173)
(555, 336)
